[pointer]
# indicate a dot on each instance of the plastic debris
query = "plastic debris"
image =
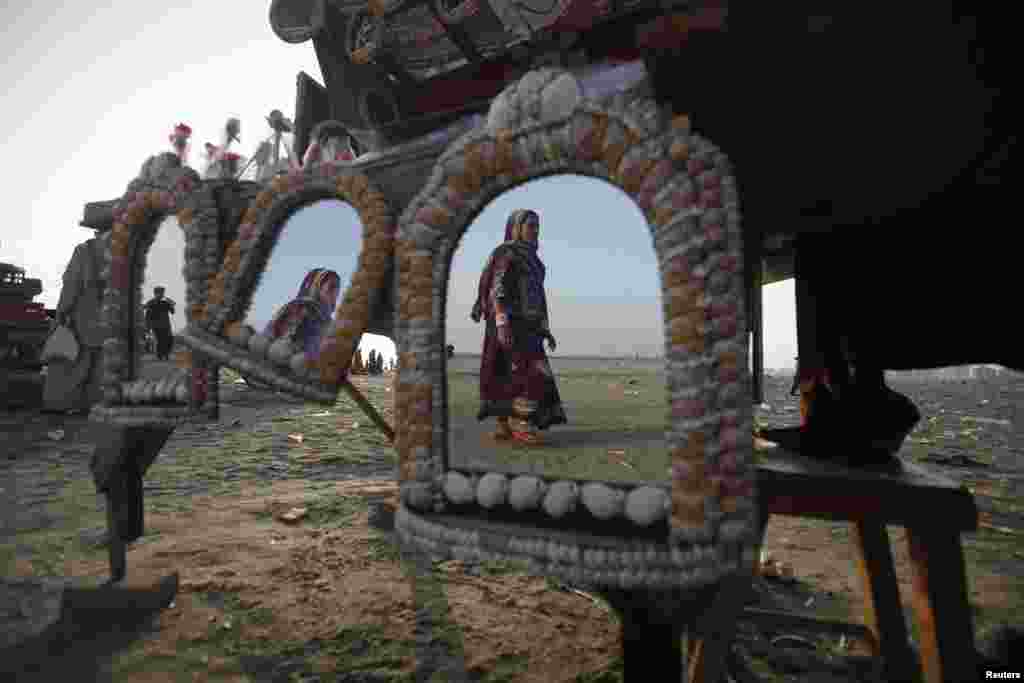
(293, 515)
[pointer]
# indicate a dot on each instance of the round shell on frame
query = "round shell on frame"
(280, 351)
(604, 502)
(561, 498)
(259, 344)
(459, 488)
(526, 493)
(646, 505)
(297, 363)
(492, 490)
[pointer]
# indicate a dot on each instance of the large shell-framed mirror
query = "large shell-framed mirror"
(297, 287)
(146, 370)
(550, 127)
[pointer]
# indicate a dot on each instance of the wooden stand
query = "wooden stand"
(653, 625)
(934, 511)
(121, 459)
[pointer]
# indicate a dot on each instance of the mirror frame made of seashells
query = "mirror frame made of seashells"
(217, 328)
(684, 185)
(163, 187)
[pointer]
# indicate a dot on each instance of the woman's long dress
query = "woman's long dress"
(517, 382)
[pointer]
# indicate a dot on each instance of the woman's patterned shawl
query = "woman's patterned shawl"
(493, 282)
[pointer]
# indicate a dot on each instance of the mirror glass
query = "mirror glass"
(163, 306)
(601, 412)
(306, 277)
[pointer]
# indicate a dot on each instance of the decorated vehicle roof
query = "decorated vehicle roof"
(397, 69)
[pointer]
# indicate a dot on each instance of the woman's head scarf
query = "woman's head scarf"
(308, 305)
(517, 221)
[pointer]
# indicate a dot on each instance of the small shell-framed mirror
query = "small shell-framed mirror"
(296, 287)
(691, 519)
(146, 380)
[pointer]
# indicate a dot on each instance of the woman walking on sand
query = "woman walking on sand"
(517, 385)
(304, 318)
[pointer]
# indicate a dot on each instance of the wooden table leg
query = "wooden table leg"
(648, 647)
(708, 655)
(941, 605)
(649, 641)
(883, 611)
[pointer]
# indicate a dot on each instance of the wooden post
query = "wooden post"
(883, 611)
(941, 605)
(368, 408)
(649, 647)
(213, 391)
(753, 272)
(809, 347)
(757, 322)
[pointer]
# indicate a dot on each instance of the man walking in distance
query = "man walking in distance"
(159, 310)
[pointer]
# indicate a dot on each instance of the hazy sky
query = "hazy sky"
(94, 89)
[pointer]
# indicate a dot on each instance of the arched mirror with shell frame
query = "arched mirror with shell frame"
(219, 327)
(155, 208)
(698, 523)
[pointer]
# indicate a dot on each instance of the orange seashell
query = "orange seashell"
(361, 55)
(434, 216)
(679, 151)
(612, 156)
(264, 199)
(633, 174)
(360, 184)
(681, 123)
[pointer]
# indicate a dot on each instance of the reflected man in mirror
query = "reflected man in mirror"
(159, 310)
(304, 319)
(74, 386)
(517, 385)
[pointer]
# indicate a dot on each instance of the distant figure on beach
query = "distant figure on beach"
(159, 310)
(304, 318)
(74, 386)
(517, 385)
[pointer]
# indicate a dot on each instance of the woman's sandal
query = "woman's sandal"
(527, 438)
(503, 432)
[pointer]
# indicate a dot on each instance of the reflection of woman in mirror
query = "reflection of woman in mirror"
(304, 318)
(516, 383)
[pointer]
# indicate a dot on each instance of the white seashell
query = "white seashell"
(492, 490)
(459, 488)
(603, 501)
(561, 498)
(298, 364)
(502, 113)
(161, 389)
(259, 344)
(242, 335)
(526, 493)
(560, 97)
(280, 351)
(646, 505)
